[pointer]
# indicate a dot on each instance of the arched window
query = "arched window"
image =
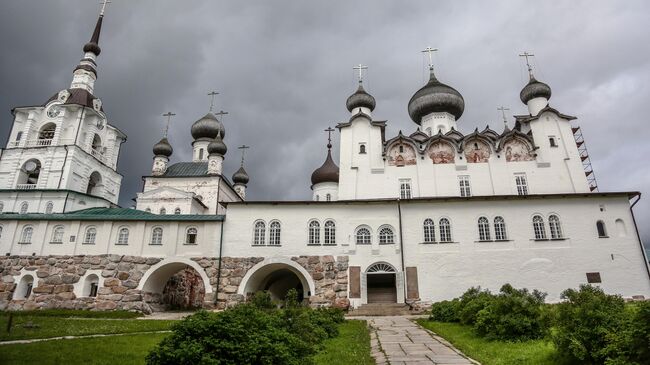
(190, 236)
(330, 233)
(620, 228)
(156, 236)
(363, 236)
(314, 233)
(28, 174)
(380, 267)
(24, 288)
(123, 236)
(177, 211)
(328, 197)
(429, 230)
(538, 227)
(90, 236)
(26, 236)
(483, 229)
(94, 184)
(386, 236)
(445, 230)
(274, 234)
(49, 207)
(500, 229)
(259, 233)
(23, 208)
(555, 227)
(163, 211)
(91, 284)
(46, 134)
(600, 227)
(57, 234)
(362, 149)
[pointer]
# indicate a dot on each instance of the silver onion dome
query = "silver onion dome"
(360, 98)
(534, 89)
(240, 176)
(217, 147)
(163, 148)
(435, 97)
(208, 127)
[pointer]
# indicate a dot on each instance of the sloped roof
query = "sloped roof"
(110, 214)
(182, 169)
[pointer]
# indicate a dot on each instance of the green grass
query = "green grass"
(118, 314)
(123, 350)
(535, 352)
(352, 346)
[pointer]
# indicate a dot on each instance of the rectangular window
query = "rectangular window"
(552, 141)
(463, 183)
(522, 184)
(93, 290)
(405, 188)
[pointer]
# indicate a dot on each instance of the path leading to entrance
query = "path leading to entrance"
(397, 340)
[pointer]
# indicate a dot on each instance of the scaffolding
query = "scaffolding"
(584, 158)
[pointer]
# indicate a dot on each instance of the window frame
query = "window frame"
(314, 233)
(521, 184)
(25, 237)
(361, 240)
(123, 234)
(539, 228)
(483, 225)
(24, 205)
(385, 239)
(555, 227)
(256, 231)
(465, 186)
(405, 189)
(55, 232)
(446, 234)
(500, 228)
(49, 207)
(191, 239)
(87, 236)
(275, 233)
(329, 233)
(428, 231)
(156, 237)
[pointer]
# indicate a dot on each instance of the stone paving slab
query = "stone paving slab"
(398, 340)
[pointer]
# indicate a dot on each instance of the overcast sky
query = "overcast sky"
(284, 71)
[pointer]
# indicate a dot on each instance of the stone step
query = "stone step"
(381, 309)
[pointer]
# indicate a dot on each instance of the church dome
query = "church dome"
(360, 99)
(217, 147)
(163, 148)
(534, 89)
(208, 127)
(435, 97)
(329, 172)
(240, 177)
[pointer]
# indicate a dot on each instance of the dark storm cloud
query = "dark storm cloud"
(283, 69)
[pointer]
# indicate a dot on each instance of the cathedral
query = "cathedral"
(408, 219)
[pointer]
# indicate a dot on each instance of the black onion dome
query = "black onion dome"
(360, 99)
(217, 147)
(163, 148)
(240, 177)
(208, 127)
(435, 97)
(329, 172)
(534, 89)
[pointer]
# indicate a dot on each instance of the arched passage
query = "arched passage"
(277, 276)
(381, 283)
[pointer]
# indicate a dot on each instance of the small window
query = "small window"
(49, 208)
(445, 230)
(274, 233)
(91, 284)
(259, 233)
(593, 278)
(93, 290)
(330, 233)
(26, 236)
(156, 236)
(314, 233)
(201, 154)
(328, 197)
(538, 228)
(429, 231)
(317, 197)
(620, 228)
(555, 227)
(500, 229)
(123, 236)
(190, 236)
(405, 188)
(57, 234)
(522, 184)
(401, 149)
(24, 288)
(163, 211)
(24, 207)
(483, 229)
(362, 149)
(463, 183)
(363, 236)
(177, 211)
(386, 236)
(552, 141)
(90, 236)
(600, 227)
(19, 135)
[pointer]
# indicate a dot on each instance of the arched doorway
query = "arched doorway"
(381, 283)
(277, 276)
(175, 284)
(94, 184)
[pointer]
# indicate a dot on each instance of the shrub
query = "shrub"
(262, 300)
(471, 302)
(513, 314)
(584, 323)
(631, 343)
(445, 311)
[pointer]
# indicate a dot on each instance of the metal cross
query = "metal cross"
(221, 113)
(526, 55)
(329, 131)
(430, 51)
(503, 109)
(360, 68)
(104, 3)
(212, 94)
(243, 149)
(169, 116)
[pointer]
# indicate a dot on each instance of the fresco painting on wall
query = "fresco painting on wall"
(441, 152)
(517, 150)
(477, 152)
(401, 155)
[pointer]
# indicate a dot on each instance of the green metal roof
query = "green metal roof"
(187, 169)
(111, 214)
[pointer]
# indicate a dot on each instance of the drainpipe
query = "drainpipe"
(216, 294)
(638, 237)
(401, 244)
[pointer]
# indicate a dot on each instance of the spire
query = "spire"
(93, 45)
(85, 73)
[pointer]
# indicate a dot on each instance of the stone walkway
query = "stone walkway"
(397, 340)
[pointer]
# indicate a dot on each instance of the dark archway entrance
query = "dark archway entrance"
(184, 290)
(381, 283)
(277, 276)
(279, 282)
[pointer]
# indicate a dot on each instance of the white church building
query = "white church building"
(413, 218)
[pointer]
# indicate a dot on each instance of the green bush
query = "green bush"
(585, 321)
(631, 343)
(471, 302)
(445, 311)
(513, 314)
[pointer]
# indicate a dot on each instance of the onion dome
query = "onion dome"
(360, 99)
(217, 147)
(240, 177)
(435, 97)
(163, 148)
(329, 172)
(208, 127)
(534, 89)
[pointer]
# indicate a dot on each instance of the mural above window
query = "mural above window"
(441, 152)
(401, 155)
(477, 151)
(518, 150)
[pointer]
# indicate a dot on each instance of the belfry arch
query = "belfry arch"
(277, 276)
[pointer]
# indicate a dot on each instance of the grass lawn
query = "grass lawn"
(535, 352)
(352, 346)
(123, 350)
